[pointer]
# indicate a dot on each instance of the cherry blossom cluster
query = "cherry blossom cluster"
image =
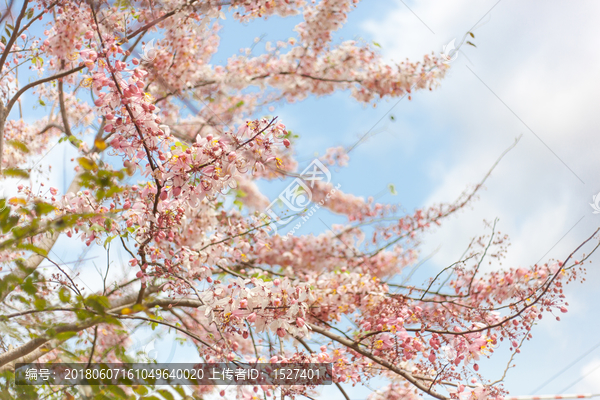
(276, 305)
(264, 8)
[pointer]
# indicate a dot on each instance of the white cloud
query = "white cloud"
(538, 57)
(591, 381)
(536, 197)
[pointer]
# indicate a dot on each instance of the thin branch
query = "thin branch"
(14, 36)
(25, 88)
(36, 17)
(384, 363)
(341, 389)
(462, 203)
(93, 346)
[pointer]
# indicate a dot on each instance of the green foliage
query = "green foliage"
(392, 189)
(166, 394)
(7, 221)
(18, 145)
(30, 220)
(87, 163)
(97, 303)
(16, 173)
(105, 183)
(43, 208)
(64, 295)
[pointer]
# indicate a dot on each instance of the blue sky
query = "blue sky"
(532, 74)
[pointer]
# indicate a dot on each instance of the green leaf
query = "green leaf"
(117, 390)
(65, 335)
(376, 44)
(28, 287)
(42, 208)
(471, 44)
(22, 299)
(39, 303)
(16, 173)
(18, 145)
(97, 303)
(392, 189)
(64, 295)
(33, 248)
(74, 141)
(112, 321)
(97, 228)
(41, 102)
(166, 394)
(140, 390)
(7, 221)
(239, 204)
(83, 315)
(109, 239)
(87, 163)
(138, 308)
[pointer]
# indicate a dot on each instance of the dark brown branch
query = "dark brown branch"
(36, 17)
(25, 88)
(93, 346)
(63, 109)
(14, 36)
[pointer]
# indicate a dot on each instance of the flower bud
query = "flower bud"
(251, 318)
(432, 357)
